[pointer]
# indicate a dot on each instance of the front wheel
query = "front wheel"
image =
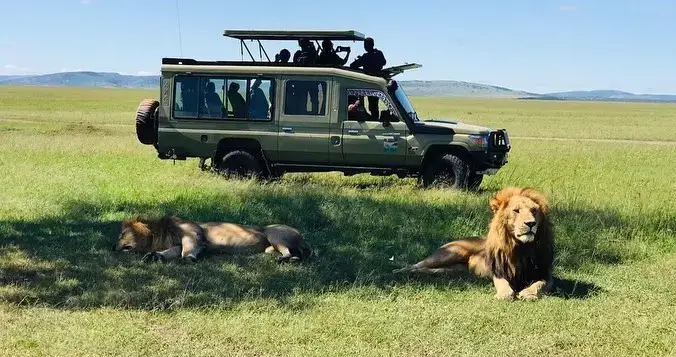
(446, 171)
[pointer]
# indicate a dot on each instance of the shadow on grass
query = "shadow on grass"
(67, 262)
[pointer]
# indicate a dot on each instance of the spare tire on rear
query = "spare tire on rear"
(146, 116)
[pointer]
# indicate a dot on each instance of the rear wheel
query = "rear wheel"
(240, 163)
(447, 171)
(146, 121)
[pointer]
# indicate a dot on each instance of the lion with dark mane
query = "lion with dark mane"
(517, 253)
(170, 237)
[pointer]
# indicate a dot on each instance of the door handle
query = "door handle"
(287, 130)
(352, 131)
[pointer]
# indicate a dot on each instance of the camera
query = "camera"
(342, 49)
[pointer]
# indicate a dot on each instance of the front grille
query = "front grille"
(499, 140)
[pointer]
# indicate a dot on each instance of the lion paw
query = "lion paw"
(505, 295)
(152, 257)
(528, 295)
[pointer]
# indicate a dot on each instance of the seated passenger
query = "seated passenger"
(213, 101)
(283, 56)
(356, 111)
(258, 104)
(236, 101)
(329, 55)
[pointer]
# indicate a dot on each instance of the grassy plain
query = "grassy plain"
(72, 168)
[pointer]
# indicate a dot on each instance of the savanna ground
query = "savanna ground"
(72, 169)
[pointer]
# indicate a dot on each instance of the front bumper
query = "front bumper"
(488, 162)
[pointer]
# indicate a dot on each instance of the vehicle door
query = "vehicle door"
(373, 142)
(303, 135)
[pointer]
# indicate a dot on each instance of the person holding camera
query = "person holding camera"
(372, 62)
(329, 56)
(283, 56)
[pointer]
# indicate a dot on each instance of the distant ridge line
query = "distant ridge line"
(414, 88)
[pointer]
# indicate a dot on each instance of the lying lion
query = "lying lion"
(517, 253)
(170, 237)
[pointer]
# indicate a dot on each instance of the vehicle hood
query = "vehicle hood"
(458, 127)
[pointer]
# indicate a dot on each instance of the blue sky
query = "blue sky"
(535, 45)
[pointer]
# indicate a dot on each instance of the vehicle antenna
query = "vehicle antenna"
(178, 20)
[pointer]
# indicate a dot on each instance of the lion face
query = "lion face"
(521, 211)
(523, 218)
(135, 236)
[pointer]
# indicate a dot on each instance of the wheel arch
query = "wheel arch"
(437, 150)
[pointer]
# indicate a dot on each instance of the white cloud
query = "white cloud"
(568, 8)
(71, 70)
(146, 73)
(140, 73)
(10, 69)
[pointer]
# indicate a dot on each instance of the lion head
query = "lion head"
(145, 235)
(520, 214)
(135, 236)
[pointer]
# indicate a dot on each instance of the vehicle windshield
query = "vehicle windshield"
(403, 100)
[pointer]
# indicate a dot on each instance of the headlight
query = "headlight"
(480, 140)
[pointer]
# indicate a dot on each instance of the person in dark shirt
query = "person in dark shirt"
(372, 61)
(237, 101)
(307, 54)
(329, 56)
(283, 56)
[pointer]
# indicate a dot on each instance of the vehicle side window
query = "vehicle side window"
(186, 97)
(360, 102)
(223, 98)
(261, 99)
(304, 97)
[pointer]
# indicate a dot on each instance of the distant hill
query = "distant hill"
(417, 88)
(459, 89)
(84, 79)
(612, 95)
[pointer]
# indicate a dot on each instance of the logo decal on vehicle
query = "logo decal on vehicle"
(390, 145)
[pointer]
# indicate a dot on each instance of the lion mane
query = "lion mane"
(170, 237)
(517, 252)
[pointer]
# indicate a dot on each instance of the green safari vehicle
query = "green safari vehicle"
(265, 118)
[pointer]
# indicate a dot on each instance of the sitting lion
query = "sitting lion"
(170, 237)
(517, 253)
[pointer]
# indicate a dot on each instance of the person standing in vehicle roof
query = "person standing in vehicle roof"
(330, 56)
(372, 61)
(307, 55)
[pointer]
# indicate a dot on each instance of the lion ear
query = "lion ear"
(502, 197)
(537, 197)
(495, 205)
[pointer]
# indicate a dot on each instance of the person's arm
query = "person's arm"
(358, 62)
(344, 60)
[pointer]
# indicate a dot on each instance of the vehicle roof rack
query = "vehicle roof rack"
(386, 73)
(294, 35)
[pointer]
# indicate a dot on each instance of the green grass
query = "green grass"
(72, 169)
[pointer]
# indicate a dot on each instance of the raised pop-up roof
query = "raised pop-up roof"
(294, 35)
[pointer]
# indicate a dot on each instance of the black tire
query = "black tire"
(146, 117)
(446, 171)
(240, 163)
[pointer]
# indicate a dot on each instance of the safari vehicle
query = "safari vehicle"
(255, 118)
